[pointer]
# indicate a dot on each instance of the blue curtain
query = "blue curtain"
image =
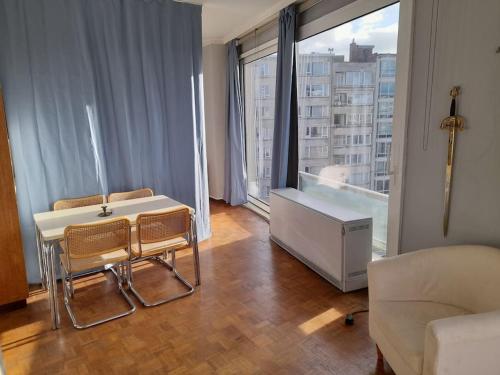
(235, 187)
(103, 96)
(284, 170)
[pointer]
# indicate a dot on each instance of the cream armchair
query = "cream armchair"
(437, 311)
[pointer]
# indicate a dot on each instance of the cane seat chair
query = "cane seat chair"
(89, 246)
(157, 236)
(140, 193)
(63, 204)
(79, 202)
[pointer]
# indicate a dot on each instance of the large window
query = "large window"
(259, 83)
(348, 140)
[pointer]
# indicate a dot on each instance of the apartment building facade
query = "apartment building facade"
(345, 118)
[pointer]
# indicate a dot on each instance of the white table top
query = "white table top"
(52, 224)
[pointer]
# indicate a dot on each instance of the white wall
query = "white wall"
(214, 74)
(468, 33)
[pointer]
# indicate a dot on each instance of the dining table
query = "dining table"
(50, 226)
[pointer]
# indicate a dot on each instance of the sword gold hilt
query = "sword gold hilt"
(453, 121)
(450, 122)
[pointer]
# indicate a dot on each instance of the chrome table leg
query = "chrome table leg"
(196, 254)
(57, 317)
(50, 271)
(41, 259)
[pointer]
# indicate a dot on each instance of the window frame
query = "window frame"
(258, 53)
(347, 13)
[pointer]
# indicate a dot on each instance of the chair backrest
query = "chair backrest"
(163, 226)
(88, 240)
(140, 193)
(79, 202)
(467, 276)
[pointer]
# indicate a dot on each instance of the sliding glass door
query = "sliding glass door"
(346, 86)
(259, 88)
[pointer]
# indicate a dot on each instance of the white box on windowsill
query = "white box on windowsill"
(334, 242)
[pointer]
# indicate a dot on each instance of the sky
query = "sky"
(379, 28)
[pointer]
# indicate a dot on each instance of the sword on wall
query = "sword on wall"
(452, 123)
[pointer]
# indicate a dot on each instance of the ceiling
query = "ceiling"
(224, 20)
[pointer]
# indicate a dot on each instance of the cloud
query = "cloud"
(379, 28)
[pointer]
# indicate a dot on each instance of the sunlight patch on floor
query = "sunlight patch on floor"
(320, 321)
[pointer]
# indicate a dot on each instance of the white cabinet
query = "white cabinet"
(333, 241)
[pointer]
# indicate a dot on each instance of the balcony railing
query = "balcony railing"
(365, 201)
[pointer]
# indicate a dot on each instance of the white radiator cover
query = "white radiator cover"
(333, 241)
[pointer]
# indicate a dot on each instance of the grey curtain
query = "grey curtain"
(102, 96)
(284, 170)
(235, 187)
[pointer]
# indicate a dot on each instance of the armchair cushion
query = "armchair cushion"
(403, 325)
(463, 345)
(437, 311)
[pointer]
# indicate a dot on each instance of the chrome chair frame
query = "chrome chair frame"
(163, 260)
(121, 274)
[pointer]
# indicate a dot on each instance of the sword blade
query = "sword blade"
(448, 179)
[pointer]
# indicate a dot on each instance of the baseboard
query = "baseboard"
(13, 306)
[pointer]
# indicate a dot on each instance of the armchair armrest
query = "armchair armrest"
(397, 278)
(468, 344)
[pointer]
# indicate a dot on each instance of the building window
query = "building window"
(382, 186)
(340, 79)
(267, 172)
(359, 178)
(388, 68)
(317, 90)
(357, 159)
(268, 133)
(264, 69)
(317, 68)
(383, 149)
(264, 91)
(358, 78)
(262, 111)
(339, 120)
(313, 111)
(313, 152)
(384, 130)
(385, 109)
(360, 99)
(381, 168)
(267, 152)
(339, 159)
(359, 119)
(386, 90)
(340, 99)
(317, 131)
(339, 140)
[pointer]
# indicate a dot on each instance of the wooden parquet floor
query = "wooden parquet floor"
(258, 311)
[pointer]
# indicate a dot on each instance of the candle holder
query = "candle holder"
(104, 212)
